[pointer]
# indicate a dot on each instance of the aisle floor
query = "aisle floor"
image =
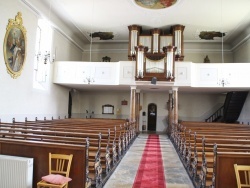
(175, 174)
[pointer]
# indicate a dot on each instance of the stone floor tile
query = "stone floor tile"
(175, 174)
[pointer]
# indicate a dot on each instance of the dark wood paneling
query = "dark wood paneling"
(225, 174)
(40, 152)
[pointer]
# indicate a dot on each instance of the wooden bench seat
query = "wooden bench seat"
(40, 152)
(115, 139)
(200, 158)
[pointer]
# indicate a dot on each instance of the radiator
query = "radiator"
(16, 172)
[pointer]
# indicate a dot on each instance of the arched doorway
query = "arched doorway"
(152, 116)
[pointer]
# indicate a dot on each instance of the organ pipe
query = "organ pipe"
(156, 37)
(140, 57)
(134, 32)
(177, 31)
(170, 56)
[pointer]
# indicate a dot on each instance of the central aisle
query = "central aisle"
(125, 173)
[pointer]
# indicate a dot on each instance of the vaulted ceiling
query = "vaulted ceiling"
(88, 16)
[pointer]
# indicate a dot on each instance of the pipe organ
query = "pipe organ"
(177, 31)
(155, 53)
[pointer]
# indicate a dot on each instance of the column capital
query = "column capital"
(175, 88)
(132, 87)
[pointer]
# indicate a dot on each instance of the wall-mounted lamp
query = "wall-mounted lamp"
(89, 80)
(44, 56)
(223, 82)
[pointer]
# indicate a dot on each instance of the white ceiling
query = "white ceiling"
(88, 16)
(229, 16)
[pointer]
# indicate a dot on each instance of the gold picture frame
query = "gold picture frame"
(14, 46)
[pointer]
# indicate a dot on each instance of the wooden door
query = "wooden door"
(152, 116)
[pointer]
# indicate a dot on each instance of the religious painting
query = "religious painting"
(15, 46)
(155, 4)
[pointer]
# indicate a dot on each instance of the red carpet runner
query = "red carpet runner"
(150, 173)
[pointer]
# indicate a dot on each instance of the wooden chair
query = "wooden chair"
(59, 164)
(242, 173)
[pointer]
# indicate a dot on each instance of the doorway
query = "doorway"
(152, 116)
(70, 106)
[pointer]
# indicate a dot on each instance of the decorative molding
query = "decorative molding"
(242, 42)
(206, 51)
(111, 50)
(54, 26)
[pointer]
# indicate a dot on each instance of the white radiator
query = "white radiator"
(16, 172)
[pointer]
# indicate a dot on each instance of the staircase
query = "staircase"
(230, 111)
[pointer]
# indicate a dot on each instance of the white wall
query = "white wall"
(192, 106)
(93, 101)
(18, 97)
(116, 51)
(193, 52)
(245, 112)
(242, 54)
(64, 50)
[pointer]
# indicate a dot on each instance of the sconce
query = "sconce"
(45, 56)
(90, 80)
(38, 56)
(223, 82)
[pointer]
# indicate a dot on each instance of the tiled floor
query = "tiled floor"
(175, 174)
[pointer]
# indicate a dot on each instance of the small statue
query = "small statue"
(206, 59)
(106, 59)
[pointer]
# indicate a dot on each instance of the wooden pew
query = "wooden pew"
(93, 155)
(225, 175)
(126, 132)
(40, 152)
(117, 136)
(50, 130)
(204, 160)
(98, 151)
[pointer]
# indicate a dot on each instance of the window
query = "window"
(107, 109)
(42, 55)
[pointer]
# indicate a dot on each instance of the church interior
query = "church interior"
(115, 82)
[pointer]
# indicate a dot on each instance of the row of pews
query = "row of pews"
(209, 151)
(97, 145)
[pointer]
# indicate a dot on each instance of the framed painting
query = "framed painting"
(14, 46)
